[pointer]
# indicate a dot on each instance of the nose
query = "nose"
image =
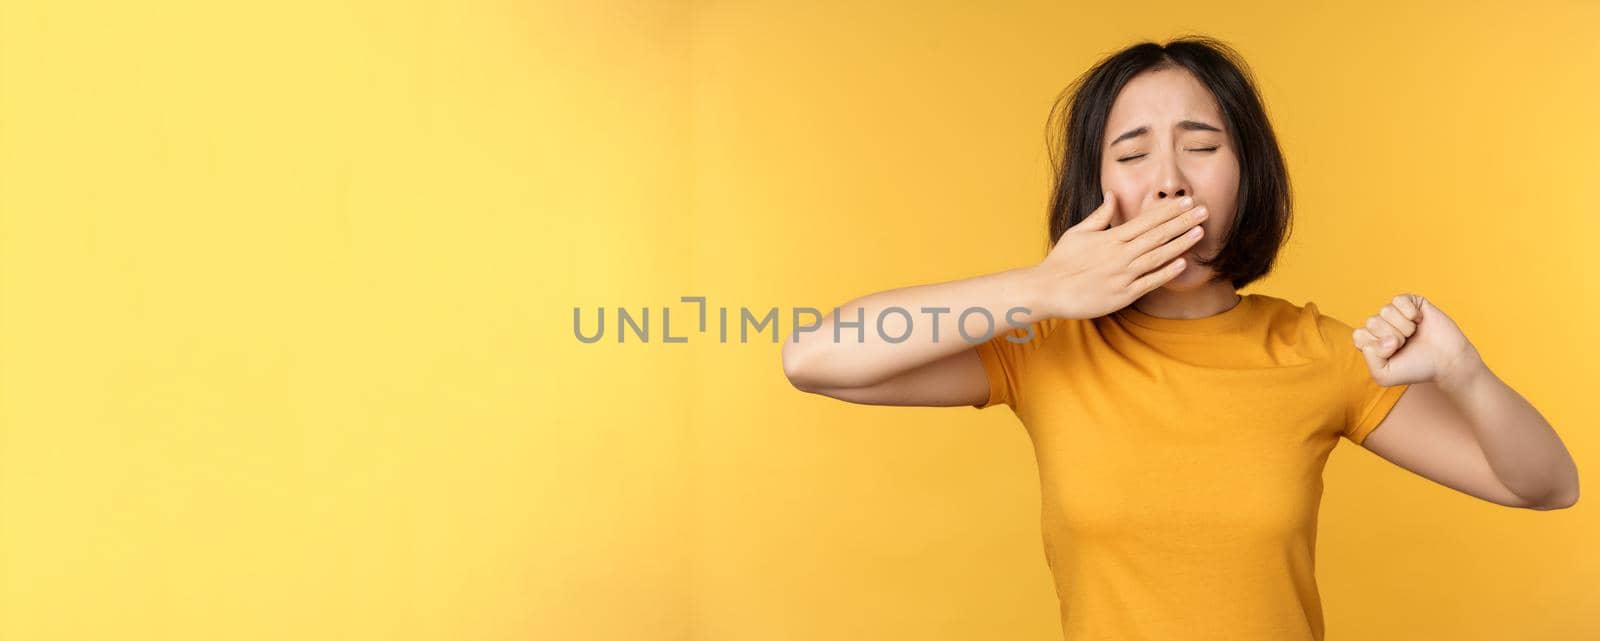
(1171, 183)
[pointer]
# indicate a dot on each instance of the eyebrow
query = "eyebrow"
(1186, 125)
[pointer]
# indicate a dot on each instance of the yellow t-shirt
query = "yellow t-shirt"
(1180, 463)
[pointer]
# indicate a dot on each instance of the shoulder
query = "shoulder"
(1305, 321)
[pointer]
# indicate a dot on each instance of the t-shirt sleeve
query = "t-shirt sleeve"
(1006, 359)
(1366, 403)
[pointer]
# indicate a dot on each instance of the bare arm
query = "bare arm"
(924, 353)
(862, 356)
(952, 381)
(1459, 424)
(1488, 443)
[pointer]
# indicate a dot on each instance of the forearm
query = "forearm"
(1521, 446)
(939, 325)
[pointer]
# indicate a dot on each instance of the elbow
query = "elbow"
(793, 371)
(1565, 502)
(1560, 501)
(800, 368)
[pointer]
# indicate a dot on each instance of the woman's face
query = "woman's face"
(1166, 139)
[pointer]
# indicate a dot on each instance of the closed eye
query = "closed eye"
(1138, 156)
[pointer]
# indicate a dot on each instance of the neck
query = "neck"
(1213, 299)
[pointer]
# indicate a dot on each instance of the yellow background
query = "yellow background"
(286, 296)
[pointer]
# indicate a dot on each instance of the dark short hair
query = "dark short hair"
(1077, 134)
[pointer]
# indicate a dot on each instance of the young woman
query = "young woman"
(1180, 428)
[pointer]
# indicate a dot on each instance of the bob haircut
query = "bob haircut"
(1261, 224)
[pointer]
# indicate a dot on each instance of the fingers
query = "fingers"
(1398, 320)
(1152, 216)
(1100, 218)
(1170, 249)
(1388, 337)
(1371, 349)
(1387, 330)
(1144, 284)
(1410, 306)
(1363, 338)
(1166, 232)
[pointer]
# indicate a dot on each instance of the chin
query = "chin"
(1193, 277)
